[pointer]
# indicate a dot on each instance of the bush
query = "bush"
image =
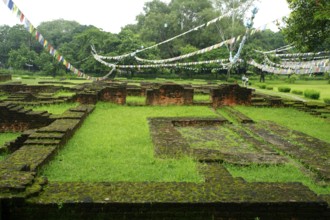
(326, 101)
(297, 92)
(262, 86)
(284, 89)
(292, 79)
(312, 94)
(232, 80)
(269, 88)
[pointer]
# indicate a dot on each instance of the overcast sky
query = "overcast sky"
(110, 15)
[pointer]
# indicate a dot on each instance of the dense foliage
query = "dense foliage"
(158, 22)
(308, 26)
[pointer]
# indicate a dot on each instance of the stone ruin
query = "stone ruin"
(5, 77)
(170, 94)
(25, 195)
(230, 94)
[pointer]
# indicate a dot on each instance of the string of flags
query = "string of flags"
(276, 70)
(221, 62)
(306, 58)
(120, 57)
(47, 46)
(303, 54)
(202, 51)
(301, 65)
(281, 49)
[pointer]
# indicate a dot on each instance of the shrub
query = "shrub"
(312, 94)
(292, 79)
(297, 92)
(269, 88)
(326, 101)
(284, 89)
(232, 80)
(262, 86)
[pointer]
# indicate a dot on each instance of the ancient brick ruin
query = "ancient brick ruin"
(230, 94)
(5, 77)
(170, 94)
(26, 195)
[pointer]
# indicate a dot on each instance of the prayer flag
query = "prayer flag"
(10, 4)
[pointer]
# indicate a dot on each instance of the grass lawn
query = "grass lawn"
(3, 96)
(56, 109)
(5, 137)
(34, 80)
(114, 144)
(202, 97)
(136, 100)
(63, 93)
(321, 86)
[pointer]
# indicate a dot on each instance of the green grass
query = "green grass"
(282, 173)
(55, 108)
(3, 96)
(201, 97)
(136, 100)
(63, 93)
(114, 144)
(5, 137)
(319, 85)
(291, 118)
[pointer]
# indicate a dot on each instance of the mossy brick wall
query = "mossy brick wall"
(15, 87)
(231, 94)
(86, 98)
(16, 118)
(115, 94)
(5, 77)
(170, 94)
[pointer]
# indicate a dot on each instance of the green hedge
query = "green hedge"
(327, 101)
(312, 94)
(284, 89)
(297, 92)
(262, 86)
(269, 87)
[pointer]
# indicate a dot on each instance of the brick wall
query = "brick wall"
(170, 94)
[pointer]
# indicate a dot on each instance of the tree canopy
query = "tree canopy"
(158, 21)
(308, 25)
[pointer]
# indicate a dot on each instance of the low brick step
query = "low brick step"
(25, 111)
(61, 126)
(37, 113)
(29, 158)
(260, 104)
(43, 142)
(83, 108)
(15, 181)
(239, 116)
(70, 115)
(50, 136)
(16, 108)
(257, 100)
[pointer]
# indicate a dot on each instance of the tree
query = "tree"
(60, 31)
(308, 25)
(233, 26)
(23, 58)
